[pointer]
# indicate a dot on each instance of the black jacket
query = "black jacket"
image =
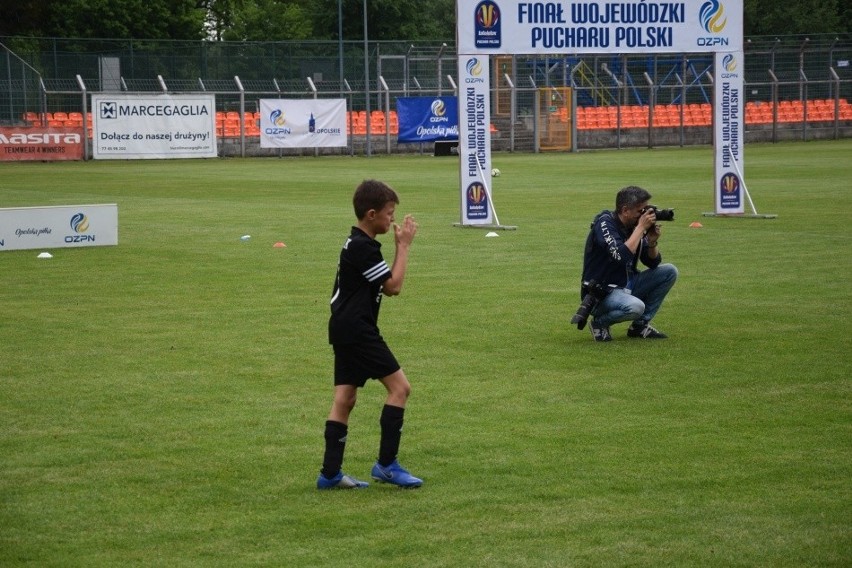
(607, 260)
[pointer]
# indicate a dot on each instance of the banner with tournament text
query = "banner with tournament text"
(133, 127)
(509, 27)
(729, 133)
(303, 123)
(598, 26)
(475, 140)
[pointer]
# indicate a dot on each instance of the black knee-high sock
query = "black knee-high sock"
(391, 423)
(335, 444)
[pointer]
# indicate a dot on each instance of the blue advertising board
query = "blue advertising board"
(427, 119)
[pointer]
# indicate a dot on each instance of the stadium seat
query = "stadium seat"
(760, 115)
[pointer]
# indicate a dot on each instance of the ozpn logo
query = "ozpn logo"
(79, 223)
(730, 183)
(474, 67)
(712, 16)
(277, 117)
(438, 108)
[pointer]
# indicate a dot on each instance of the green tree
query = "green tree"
(119, 19)
(771, 17)
(261, 20)
(408, 20)
(22, 18)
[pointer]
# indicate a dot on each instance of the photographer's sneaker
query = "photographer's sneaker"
(395, 474)
(600, 332)
(645, 331)
(340, 481)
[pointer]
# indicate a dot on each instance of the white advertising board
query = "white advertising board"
(599, 26)
(729, 133)
(303, 123)
(58, 226)
(475, 140)
(133, 127)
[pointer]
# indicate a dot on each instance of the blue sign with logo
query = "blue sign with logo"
(476, 201)
(427, 119)
(729, 191)
(487, 25)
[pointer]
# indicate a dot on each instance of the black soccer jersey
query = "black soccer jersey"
(357, 294)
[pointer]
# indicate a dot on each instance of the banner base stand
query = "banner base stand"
(491, 227)
(743, 215)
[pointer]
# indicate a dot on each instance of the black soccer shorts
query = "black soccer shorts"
(354, 363)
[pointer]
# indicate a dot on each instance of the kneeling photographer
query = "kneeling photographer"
(614, 289)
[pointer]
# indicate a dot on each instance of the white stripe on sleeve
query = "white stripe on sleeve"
(376, 272)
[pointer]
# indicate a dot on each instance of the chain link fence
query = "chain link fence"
(41, 76)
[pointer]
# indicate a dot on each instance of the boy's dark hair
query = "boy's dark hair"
(372, 194)
(630, 196)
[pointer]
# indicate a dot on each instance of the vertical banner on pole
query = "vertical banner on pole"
(475, 140)
(729, 137)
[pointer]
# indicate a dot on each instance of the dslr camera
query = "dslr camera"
(592, 294)
(662, 214)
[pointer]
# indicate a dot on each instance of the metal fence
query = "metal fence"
(46, 75)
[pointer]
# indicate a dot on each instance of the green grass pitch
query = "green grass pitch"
(162, 401)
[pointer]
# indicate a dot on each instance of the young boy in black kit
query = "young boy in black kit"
(360, 353)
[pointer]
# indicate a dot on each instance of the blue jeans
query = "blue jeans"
(649, 289)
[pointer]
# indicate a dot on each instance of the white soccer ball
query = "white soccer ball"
(495, 173)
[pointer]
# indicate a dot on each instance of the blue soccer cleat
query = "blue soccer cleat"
(340, 481)
(395, 474)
